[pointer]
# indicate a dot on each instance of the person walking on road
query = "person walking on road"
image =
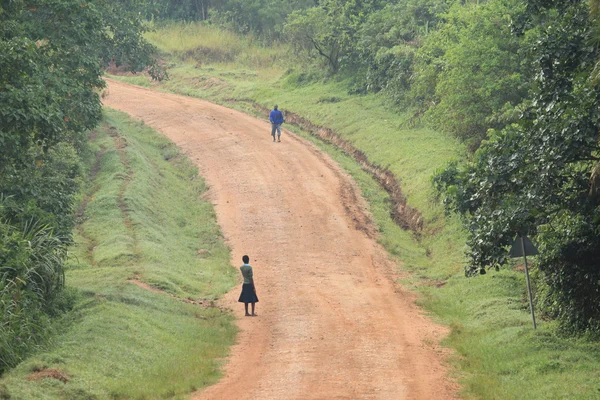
(276, 118)
(248, 294)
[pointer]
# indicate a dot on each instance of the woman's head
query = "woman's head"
(246, 259)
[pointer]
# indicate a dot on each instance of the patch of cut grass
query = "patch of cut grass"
(143, 218)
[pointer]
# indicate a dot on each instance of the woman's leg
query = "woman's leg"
(253, 313)
(246, 307)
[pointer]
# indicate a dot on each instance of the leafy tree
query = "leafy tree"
(311, 30)
(387, 43)
(329, 29)
(469, 73)
(51, 57)
(538, 176)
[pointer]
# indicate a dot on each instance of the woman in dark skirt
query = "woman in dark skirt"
(248, 290)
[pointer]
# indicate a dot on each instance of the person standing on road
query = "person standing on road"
(276, 118)
(248, 294)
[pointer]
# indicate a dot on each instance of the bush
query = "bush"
(31, 283)
(570, 254)
(469, 73)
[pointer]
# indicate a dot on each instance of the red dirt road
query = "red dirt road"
(331, 324)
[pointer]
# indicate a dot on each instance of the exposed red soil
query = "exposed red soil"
(145, 286)
(333, 323)
(49, 373)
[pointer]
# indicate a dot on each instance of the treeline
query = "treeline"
(52, 54)
(516, 80)
(453, 63)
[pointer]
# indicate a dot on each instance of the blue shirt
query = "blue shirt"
(276, 117)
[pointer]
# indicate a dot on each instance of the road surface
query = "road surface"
(332, 323)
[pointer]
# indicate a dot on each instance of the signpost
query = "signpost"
(522, 246)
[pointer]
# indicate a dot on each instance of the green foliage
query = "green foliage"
(534, 177)
(48, 186)
(387, 42)
(569, 270)
(265, 18)
(206, 44)
(313, 30)
(120, 38)
(179, 9)
(121, 340)
(260, 18)
(51, 58)
(31, 280)
(469, 72)
(329, 29)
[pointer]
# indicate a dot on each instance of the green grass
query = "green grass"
(198, 42)
(498, 355)
(143, 218)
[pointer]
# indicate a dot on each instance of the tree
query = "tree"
(537, 176)
(312, 30)
(51, 57)
(469, 73)
(330, 29)
(387, 43)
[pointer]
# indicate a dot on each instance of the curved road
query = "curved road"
(331, 324)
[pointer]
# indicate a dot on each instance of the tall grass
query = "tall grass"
(206, 44)
(146, 242)
(31, 272)
(498, 355)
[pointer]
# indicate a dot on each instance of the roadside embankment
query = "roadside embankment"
(148, 263)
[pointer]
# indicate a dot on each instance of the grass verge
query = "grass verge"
(148, 263)
(498, 355)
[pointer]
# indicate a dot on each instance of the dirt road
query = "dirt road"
(332, 324)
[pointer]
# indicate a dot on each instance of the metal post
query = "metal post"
(528, 284)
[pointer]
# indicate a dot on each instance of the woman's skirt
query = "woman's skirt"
(248, 294)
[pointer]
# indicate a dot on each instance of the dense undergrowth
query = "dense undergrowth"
(51, 63)
(498, 355)
(147, 263)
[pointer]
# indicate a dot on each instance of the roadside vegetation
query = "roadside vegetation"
(52, 55)
(499, 356)
(148, 263)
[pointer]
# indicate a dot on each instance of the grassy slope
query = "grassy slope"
(144, 219)
(499, 355)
